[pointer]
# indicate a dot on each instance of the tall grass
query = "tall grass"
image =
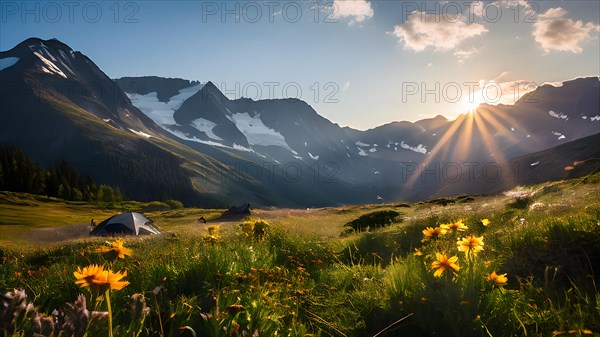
(283, 284)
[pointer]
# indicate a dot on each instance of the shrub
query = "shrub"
(174, 204)
(373, 220)
(156, 206)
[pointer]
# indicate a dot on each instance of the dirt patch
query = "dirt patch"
(50, 235)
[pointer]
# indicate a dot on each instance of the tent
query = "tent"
(125, 224)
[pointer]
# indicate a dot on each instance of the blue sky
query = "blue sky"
(359, 63)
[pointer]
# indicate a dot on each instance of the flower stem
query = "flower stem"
(110, 323)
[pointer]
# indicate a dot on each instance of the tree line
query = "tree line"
(18, 173)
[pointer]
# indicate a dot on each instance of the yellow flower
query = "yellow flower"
(107, 279)
(433, 233)
(117, 248)
(498, 280)
(247, 228)
(97, 278)
(86, 275)
(418, 252)
(470, 244)
(457, 225)
(442, 263)
(485, 222)
(213, 229)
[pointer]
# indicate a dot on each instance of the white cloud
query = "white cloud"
(489, 10)
(464, 54)
(422, 30)
(555, 32)
(357, 10)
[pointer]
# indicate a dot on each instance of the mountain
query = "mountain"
(58, 105)
(379, 161)
(160, 138)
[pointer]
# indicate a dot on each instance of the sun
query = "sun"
(470, 103)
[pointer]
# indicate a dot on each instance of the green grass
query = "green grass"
(306, 279)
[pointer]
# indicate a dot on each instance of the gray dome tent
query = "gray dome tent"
(125, 224)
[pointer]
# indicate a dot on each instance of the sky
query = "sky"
(358, 63)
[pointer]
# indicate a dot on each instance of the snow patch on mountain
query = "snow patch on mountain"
(558, 115)
(8, 62)
(559, 134)
(362, 152)
(160, 112)
(256, 131)
(140, 133)
(205, 126)
(209, 142)
(359, 143)
(242, 148)
(595, 118)
(50, 68)
(313, 157)
(419, 148)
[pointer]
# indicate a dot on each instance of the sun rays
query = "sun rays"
(475, 140)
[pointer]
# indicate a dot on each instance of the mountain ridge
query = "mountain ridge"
(217, 150)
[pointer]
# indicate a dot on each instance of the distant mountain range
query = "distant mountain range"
(159, 138)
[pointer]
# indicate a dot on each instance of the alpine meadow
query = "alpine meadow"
(325, 168)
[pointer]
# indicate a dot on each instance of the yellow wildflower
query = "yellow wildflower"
(433, 233)
(86, 275)
(457, 226)
(108, 279)
(470, 244)
(117, 248)
(498, 280)
(213, 230)
(443, 262)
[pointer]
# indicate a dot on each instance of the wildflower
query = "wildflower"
(457, 225)
(418, 252)
(261, 228)
(117, 248)
(498, 280)
(443, 262)
(485, 222)
(213, 230)
(433, 233)
(470, 244)
(86, 275)
(247, 228)
(109, 279)
(97, 278)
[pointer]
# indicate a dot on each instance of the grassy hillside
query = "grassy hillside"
(309, 275)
